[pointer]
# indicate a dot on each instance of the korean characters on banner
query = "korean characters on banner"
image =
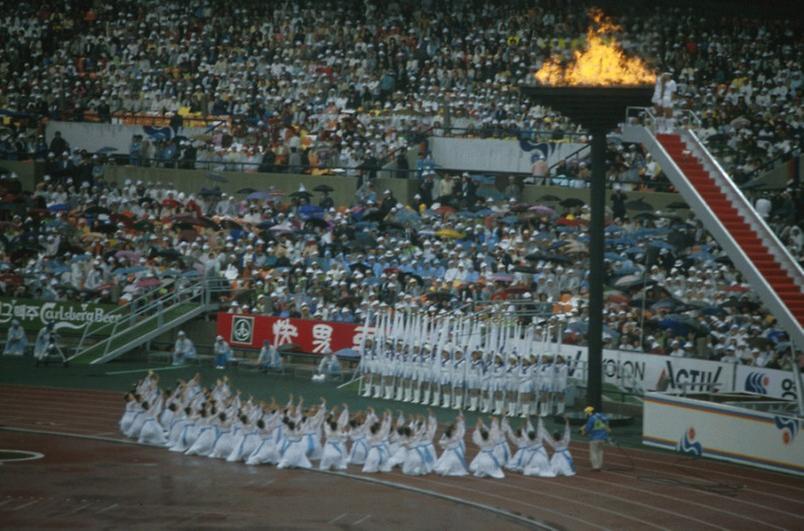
(315, 337)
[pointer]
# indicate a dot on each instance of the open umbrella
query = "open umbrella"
(258, 196)
(316, 222)
(132, 256)
(677, 205)
(217, 177)
(323, 188)
(282, 228)
(639, 205)
(449, 234)
(311, 211)
(59, 207)
(547, 257)
(246, 191)
(148, 282)
(300, 194)
(572, 202)
(542, 210)
(549, 197)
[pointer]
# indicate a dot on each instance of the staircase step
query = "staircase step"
(131, 333)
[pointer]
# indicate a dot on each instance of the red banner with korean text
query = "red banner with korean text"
(315, 337)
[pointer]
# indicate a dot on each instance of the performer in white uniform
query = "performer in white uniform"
(560, 377)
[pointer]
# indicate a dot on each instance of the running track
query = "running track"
(642, 489)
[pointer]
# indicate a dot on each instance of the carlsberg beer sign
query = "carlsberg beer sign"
(67, 317)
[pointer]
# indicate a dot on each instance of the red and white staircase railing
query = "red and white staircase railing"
(765, 263)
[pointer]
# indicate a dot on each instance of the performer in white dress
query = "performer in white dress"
(452, 461)
(377, 458)
(270, 431)
(294, 451)
(132, 406)
(561, 462)
(183, 434)
(485, 463)
(536, 462)
(501, 449)
(335, 454)
(152, 433)
(519, 438)
(229, 431)
(311, 430)
(207, 434)
(359, 427)
(420, 459)
(246, 441)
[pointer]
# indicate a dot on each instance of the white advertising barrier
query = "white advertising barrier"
(94, 137)
(638, 373)
(726, 432)
(481, 154)
(768, 382)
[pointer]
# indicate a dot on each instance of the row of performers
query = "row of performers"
(499, 384)
(217, 423)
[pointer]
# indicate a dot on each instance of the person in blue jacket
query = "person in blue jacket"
(597, 429)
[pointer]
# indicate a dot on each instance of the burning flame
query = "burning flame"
(601, 63)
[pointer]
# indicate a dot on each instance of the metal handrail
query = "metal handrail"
(795, 269)
(199, 290)
(128, 308)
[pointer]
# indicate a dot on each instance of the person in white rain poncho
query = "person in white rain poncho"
(335, 454)
(269, 358)
(485, 463)
(183, 349)
(561, 462)
(16, 340)
(452, 461)
(544, 381)
(499, 381)
(377, 458)
(459, 368)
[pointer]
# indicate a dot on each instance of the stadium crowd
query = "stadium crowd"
(311, 86)
(672, 290)
(302, 97)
